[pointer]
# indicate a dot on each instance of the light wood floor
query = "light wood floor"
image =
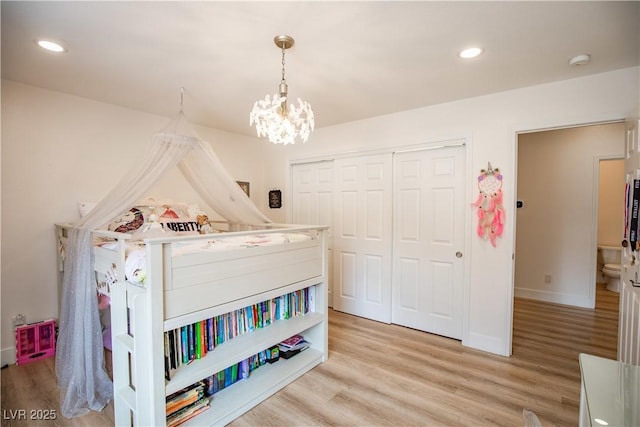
(386, 375)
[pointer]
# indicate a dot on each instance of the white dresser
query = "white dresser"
(610, 392)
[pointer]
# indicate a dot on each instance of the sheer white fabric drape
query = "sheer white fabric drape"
(210, 179)
(80, 364)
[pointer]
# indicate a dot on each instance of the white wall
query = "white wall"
(557, 232)
(610, 202)
(491, 123)
(59, 149)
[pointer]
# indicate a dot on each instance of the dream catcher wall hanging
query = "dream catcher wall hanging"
(489, 204)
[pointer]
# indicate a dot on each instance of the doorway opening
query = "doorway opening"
(557, 224)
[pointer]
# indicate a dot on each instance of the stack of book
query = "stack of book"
(234, 373)
(185, 404)
(292, 346)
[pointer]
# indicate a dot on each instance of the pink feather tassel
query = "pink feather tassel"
(492, 203)
(478, 201)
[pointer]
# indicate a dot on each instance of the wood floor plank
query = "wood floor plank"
(388, 375)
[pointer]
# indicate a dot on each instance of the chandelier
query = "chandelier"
(272, 117)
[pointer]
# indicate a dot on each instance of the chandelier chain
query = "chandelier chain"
(283, 49)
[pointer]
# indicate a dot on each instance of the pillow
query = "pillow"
(171, 217)
(130, 221)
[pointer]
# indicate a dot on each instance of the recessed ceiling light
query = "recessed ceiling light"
(580, 60)
(51, 46)
(471, 52)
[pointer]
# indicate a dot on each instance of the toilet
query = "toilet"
(610, 259)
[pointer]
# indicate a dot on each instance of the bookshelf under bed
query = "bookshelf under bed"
(244, 299)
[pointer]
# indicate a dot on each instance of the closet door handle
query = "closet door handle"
(458, 254)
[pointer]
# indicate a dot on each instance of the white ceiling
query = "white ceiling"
(351, 60)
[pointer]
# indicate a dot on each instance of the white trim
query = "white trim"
(487, 343)
(554, 297)
(433, 147)
(8, 356)
(434, 144)
(523, 129)
(508, 333)
(468, 237)
(593, 263)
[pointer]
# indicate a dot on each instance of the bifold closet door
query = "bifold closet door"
(312, 203)
(428, 227)
(362, 236)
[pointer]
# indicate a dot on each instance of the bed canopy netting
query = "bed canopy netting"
(80, 364)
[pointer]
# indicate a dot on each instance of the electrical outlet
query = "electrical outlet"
(547, 278)
(18, 320)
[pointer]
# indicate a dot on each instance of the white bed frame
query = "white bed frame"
(194, 287)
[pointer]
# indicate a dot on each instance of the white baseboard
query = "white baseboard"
(486, 343)
(555, 297)
(8, 356)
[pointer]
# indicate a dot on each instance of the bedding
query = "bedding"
(245, 241)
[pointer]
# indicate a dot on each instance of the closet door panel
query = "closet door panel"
(407, 295)
(442, 292)
(374, 277)
(429, 212)
(304, 208)
(348, 220)
(348, 268)
(362, 193)
(374, 215)
(312, 203)
(443, 209)
(409, 215)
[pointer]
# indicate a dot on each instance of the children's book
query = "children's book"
(291, 341)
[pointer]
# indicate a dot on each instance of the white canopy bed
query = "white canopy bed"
(187, 279)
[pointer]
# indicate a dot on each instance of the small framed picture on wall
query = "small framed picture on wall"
(275, 199)
(245, 186)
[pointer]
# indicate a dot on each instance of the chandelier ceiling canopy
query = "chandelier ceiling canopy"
(282, 124)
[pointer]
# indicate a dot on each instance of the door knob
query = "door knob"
(458, 254)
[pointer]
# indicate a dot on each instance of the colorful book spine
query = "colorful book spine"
(185, 345)
(210, 335)
(198, 333)
(191, 337)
